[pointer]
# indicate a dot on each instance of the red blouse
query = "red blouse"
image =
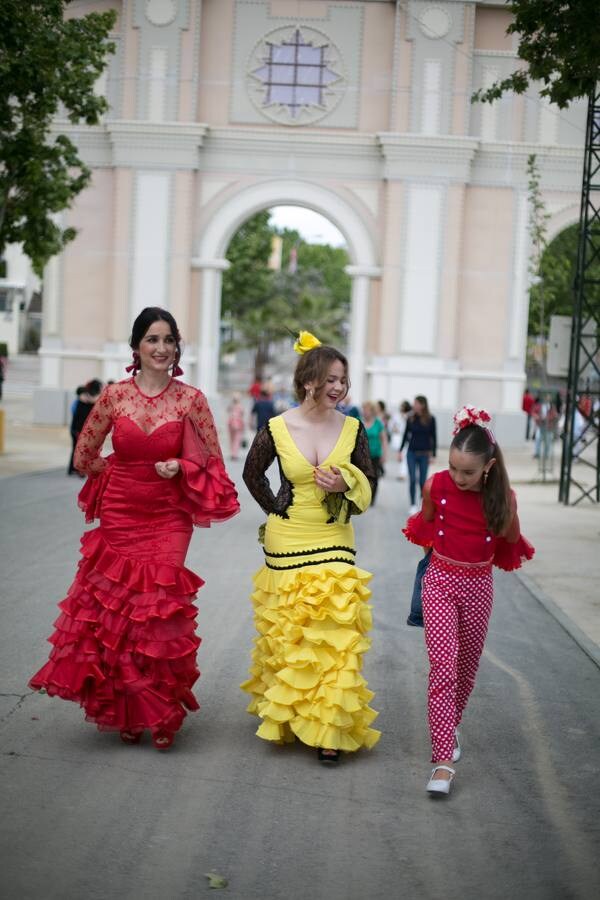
(452, 522)
(175, 424)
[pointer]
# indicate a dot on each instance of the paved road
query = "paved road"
(85, 816)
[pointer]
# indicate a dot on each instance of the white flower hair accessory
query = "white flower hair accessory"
(470, 415)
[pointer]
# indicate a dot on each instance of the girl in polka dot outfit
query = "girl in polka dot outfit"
(469, 518)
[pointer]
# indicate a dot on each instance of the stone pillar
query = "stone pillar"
(49, 399)
(207, 365)
(361, 287)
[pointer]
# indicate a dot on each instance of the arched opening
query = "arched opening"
(286, 274)
(343, 212)
(550, 295)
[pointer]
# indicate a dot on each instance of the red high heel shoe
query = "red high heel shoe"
(131, 737)
(162, 740)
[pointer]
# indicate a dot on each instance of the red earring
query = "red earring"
(177, 370)
(135, 366)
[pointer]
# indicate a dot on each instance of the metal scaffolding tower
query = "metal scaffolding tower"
(580, 465)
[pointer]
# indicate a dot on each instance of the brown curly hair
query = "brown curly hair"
(314, 366)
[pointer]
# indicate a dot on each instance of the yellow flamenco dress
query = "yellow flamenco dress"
(310, 598)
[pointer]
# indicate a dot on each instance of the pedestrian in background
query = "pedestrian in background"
(378, 443)
(236, 425)
(397, 429)
(382, 413)
(469, 518)
(349, 408)
(263, 409)
(420, 438)
(527, 407)
(80, 409)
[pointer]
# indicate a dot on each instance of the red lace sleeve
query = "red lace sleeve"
(208, 494)
(87, 457)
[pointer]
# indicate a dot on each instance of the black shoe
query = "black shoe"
(418, 623)
(329, 757)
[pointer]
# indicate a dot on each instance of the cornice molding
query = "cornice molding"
(173, 145)
(446, 157)
(177, 146)
(303, 154)
(351, 143)
(505, 165)
(505, 54)
(137, 144)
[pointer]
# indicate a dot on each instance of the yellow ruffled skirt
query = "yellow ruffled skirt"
(312, 623)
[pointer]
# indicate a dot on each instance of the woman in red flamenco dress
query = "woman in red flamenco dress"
(124, 645)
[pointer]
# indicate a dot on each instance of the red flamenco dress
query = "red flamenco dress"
(125, 644)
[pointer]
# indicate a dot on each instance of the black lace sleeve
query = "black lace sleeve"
(260, 456)
(361, 458)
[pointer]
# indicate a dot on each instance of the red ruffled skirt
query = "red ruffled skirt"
(124, 645)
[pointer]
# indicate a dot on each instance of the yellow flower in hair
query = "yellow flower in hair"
(305, 342)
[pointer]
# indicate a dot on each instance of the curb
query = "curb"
(589, 647)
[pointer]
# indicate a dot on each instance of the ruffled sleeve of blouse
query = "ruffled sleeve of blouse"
(359, 476)
(88, 460)
(512, 549)
(208, 493)
(419, 528)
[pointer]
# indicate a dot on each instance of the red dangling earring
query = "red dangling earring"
(177, 370)
(135, 366)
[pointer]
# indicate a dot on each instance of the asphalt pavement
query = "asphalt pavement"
(86, 816)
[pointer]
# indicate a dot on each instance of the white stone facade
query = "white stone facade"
(429, 190)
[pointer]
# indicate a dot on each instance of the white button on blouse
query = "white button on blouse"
(441, 533)
(443, 500)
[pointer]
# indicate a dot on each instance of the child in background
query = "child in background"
(469, 518)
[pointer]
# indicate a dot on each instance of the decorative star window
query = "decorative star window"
(299, 77)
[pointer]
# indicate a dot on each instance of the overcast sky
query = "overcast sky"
(314, 228)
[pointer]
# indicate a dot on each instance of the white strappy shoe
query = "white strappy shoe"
(457, 752)
(438, 786)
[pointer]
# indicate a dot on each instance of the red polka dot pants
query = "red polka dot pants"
(457, 602)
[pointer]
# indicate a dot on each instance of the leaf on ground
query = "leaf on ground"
(215, 880)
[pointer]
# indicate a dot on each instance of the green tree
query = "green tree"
(557, 273)
(560, 43)
(47, 63)
(537, 227)
(247, 282)
(264, 306)
(331, 263)
(302, 300)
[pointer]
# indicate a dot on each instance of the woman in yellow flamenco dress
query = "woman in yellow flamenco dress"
(310, 599)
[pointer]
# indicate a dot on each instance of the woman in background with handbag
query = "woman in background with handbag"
(125, 643)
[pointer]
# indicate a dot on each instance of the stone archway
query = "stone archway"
(230, 216)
